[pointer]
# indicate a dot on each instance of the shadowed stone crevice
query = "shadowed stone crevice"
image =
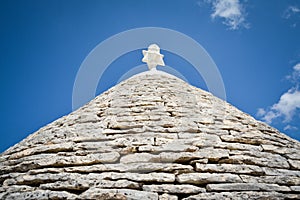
(71, 191)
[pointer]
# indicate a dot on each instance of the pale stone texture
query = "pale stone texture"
(189, 189)
(230, 168)
(203, 178)
(246, 187)
(168, 197)
(242, 195)
(153, 136)
(98, 193)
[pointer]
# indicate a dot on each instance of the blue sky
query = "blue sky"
(255, 45)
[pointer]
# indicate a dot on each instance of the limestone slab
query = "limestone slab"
(281, 180)
(166, 196)
(246, 187)
(148, 177)
(230, 168)
(187, 189)
(204, 178)
(98, 193)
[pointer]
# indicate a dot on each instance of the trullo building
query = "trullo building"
(153, 136)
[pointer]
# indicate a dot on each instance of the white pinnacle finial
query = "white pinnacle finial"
(153, 57)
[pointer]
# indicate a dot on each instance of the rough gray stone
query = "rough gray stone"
(280, 172)
(238, 146)
(295, 188)
(149, 177)
(187, 189)
(281, 180)
(230, 168)
(130, 167)
(246, 187)
(288, 152)
(295, 164)
(174, 146)
(98, 193)
(50, 148)
(167, 197)
(242, 195)
(40, 194)
(213, 154)
(203, 178)
(263, 160)
(206, 140)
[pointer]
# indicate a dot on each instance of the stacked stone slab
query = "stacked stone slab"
(153, 136)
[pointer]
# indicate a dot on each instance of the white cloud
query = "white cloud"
(289, 127)
(297, 67)
(286, 107)
(261, 112)
(288, 104)
(295, 76)
(269, 116)
(292, 13)
(294, 9)
(231, 11)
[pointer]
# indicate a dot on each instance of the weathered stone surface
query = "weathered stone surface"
(246, 187)
(281, 180)
(37, 179)
(295, 164)
(167, 197)
(98, 193)
(230, 168)
(140, 158)
(40, 194)
(187, 156)
(247, 139)
(62, 159)
(206, 140)
(85, 184)
(153, 137)
(280, 172)
(149, 177)
(203, 178)
(295, 188)
(256, 158)
(174, 146)
(209, 196)
(288, 152)
(131, 167)
(117, 184)
(50, 148)
(238, 146)
(242, 195)
(175, 189)
(14, 189)
(213, 154)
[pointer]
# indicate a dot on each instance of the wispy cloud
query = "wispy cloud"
(292, 13)
(261, 112)
(288, 104)
(295, 76)
(231, 12)
(289, 127)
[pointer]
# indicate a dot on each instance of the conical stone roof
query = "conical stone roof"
(153, 136)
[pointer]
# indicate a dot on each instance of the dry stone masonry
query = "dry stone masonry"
(153, 137)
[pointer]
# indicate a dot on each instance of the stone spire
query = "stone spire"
(163, 139)
(153, 57)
